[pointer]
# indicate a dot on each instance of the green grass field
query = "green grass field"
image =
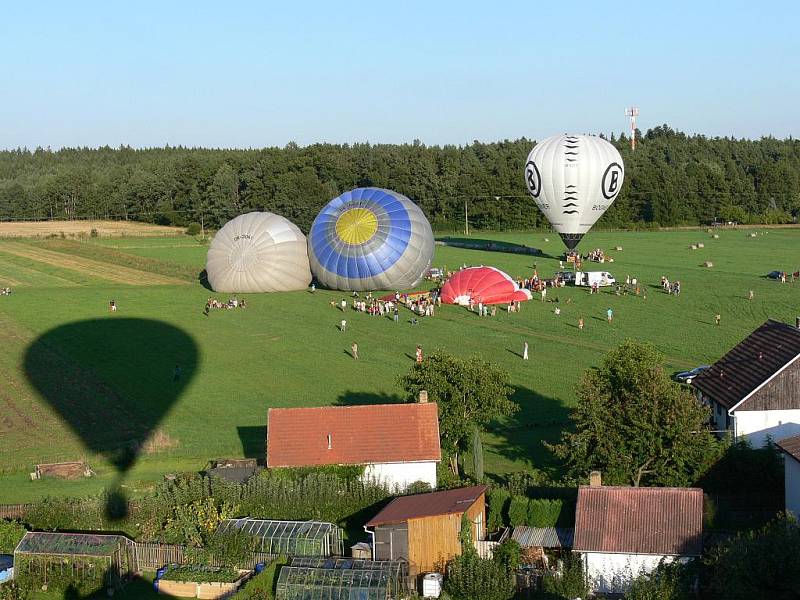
(80, 382)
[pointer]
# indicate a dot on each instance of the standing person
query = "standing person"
(544, 293)
(418, 355)
(396, 315)
(343, 325)
(313, 288)
(525, 351)
(610, 314)
(343, 304)
(354, 350)
(751, 295)
(176, 374)
(717, 319)
(580, 324)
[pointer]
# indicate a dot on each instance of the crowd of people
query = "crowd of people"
(671, 287)
(596, 255)
(230, 304)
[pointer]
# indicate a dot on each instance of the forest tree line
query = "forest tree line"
(671, 179)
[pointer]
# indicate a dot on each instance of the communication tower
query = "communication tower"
(632, 112)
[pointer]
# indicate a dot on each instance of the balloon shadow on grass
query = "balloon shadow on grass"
(202, 277)
(113, 380)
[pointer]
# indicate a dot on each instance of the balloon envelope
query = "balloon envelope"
(258, 252)
(370, 239)
(482, 284)
(574, 179)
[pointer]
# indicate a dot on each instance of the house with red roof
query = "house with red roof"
(623, 532)
(398, 444)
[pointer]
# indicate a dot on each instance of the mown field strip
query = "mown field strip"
(107, 271)
(28, 276)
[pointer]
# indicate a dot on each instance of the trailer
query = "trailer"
(590, 278)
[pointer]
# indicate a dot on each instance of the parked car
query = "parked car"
(688, 376)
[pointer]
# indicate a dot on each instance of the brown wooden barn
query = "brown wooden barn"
(424, 528)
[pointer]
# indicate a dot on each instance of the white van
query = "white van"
(589, 278)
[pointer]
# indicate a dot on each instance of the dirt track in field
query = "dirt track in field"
(104, 228)
(101, 270)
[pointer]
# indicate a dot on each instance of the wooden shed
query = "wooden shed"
(424, 528)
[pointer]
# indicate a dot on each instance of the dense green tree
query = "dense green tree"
(671, 179)
(755, 565)
(470, 393)
(636, 425)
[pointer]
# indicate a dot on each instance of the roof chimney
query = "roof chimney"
(595, 479)
(423, 396)
(330, 442)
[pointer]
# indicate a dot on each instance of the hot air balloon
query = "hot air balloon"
(370, 239)
(482, 284)
(574, 179)
(258, 252)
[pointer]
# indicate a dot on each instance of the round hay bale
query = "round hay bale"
(618, 248)
(752, 235)
(708, 264)
(716, 236)
(692, 246)
(701, 245)
(546, 239)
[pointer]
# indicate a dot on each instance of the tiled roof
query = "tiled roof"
(750, 363)
(791, 446)
(352, 435)
(447, 502)
(630, 520)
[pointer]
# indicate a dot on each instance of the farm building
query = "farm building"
(345, 578)
(424, 528)
(622, 532)
(89, 562)
(296, 538)
(754, 390)
(397, 443)
(535, 540)
(791, 473)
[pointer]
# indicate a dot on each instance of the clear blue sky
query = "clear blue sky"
(253, 74)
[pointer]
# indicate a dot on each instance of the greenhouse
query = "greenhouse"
(292, 538)
(342, 579)
(87, 562)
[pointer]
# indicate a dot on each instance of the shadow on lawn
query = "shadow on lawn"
(113, 380)
(351, 398)
(540, 418)
(254, 440)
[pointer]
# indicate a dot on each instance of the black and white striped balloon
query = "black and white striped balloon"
(573, 180)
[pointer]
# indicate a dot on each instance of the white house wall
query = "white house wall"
(791, 470)
(402, 474)
(757, 425)
(611, 573)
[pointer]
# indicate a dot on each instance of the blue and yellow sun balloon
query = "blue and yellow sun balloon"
(370, 239)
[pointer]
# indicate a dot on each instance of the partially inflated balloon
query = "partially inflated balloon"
(370, 239)
(574, 179)
(258, 252)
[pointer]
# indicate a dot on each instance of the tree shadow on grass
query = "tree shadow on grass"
(113, 380)
(353, 398)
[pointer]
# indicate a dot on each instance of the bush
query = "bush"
(571, 583)
(470, 577)
(200, 574)
(498, 501)
(193, 228)
(94, 233)
(262, 586)
(518, 511)
(11, 590)
(543, 512)
(11, 533)
(509, 555)
(668, 582)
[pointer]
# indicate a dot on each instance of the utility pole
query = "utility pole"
(632, 112)
(466, 219)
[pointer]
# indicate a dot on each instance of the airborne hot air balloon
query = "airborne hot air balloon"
(370, 239)
(574, 179)
(258, 252)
